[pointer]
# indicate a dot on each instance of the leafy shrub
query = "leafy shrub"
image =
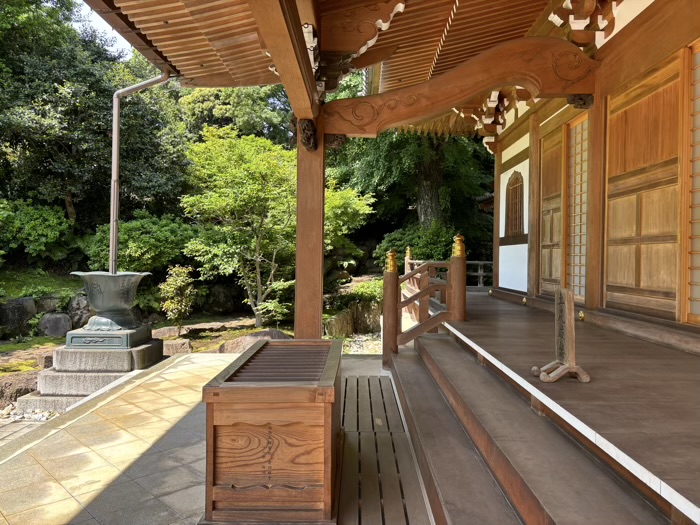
(345, 211)
(146, 243)
(36, 291)
(433, 244)
(148, 299)
(178, 293)
(38, 229)
(364, 292)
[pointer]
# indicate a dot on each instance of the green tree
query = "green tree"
(261, 111)
(244, 201)
(55, 119)
(178, 294)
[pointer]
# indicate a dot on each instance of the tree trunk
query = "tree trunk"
(70, 208)
(258, 320)
(428, 199)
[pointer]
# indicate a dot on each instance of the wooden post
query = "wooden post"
(407, 260)
(424, 302)
(457, 305)
(308, 303)
(390, 316)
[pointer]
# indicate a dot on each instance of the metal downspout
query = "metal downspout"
(114, 205)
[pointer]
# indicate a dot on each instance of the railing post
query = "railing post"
(407, 260)
(391, 309)
(481, 275)
(424, 302)
(457, 297)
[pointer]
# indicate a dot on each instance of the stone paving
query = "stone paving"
(133, 455)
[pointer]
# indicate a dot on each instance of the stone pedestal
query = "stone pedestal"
(89, 361)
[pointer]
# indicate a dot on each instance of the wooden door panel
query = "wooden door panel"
(551, 223)
(643, 211)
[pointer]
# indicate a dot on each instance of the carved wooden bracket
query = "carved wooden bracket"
(355, 30)
(544, 66)
(334, 141)
(587, 22)
(307, 134)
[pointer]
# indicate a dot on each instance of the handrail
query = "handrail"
(422, 284)
(422, 293)
(424, 266)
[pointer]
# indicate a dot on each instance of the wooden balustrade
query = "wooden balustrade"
(421, 284)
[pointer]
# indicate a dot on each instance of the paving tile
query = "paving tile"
(131, 450)
(157, 403)
(176, 438)
(118, 437)
(138, 395)
(133, 420)
(59, 445)
(31, 496)
(66, 467)
(88, 481)
(110, 411)
(21, 477)
(63, 512)
(169, 481)
(186, 502)
(156, 462)
(151, 512)
(116, 497)
(21, 460)
(175, 412)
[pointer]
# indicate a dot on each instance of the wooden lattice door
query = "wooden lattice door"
(577, 203)
(694, 248)
(551, 217)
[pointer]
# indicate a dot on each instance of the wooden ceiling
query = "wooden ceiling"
(221, 43)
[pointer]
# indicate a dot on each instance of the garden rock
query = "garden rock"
(48, 303)
(177, 346)
(15, 314)
(153, 319)
(55, 324)
(79, 310)
(17, 385)
(241, 344)
(167, 332)
(340, 325)
(204, 327)
(366, 317)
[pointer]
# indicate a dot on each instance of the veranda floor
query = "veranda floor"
(643, 398)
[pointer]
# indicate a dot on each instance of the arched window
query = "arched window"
(514, 205)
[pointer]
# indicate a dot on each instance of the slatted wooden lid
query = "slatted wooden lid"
(281, 363)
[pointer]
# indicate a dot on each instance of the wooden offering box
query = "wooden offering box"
(272, 430)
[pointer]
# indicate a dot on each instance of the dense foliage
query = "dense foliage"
(146, 243)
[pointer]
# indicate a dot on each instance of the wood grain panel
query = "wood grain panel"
(250, 455)
(658, 266)
(621, 265)
(659, 211)
(551, 164)
(645, 133)
(622, 217)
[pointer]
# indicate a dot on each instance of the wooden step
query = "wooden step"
(546, 475)
(460, 488)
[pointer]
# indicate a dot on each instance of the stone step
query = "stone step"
(460, 488)
(546, 475)
(53, 383)
(36, 401)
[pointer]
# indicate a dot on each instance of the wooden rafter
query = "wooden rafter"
(281, 31)
(545, 66)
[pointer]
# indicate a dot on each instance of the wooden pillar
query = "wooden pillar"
(308, 300)
(496, 214)
(390, 317)
(457, 305)
(596, 201)
(533, 230)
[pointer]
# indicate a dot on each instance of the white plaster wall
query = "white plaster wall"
(524, 169)
(512, 267)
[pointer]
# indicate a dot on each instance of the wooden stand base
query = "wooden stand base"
(556, 370)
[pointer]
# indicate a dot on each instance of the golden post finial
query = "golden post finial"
(391, 264)
(458, 246)
(409, 254)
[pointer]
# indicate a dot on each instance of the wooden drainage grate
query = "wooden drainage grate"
(283, 363)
